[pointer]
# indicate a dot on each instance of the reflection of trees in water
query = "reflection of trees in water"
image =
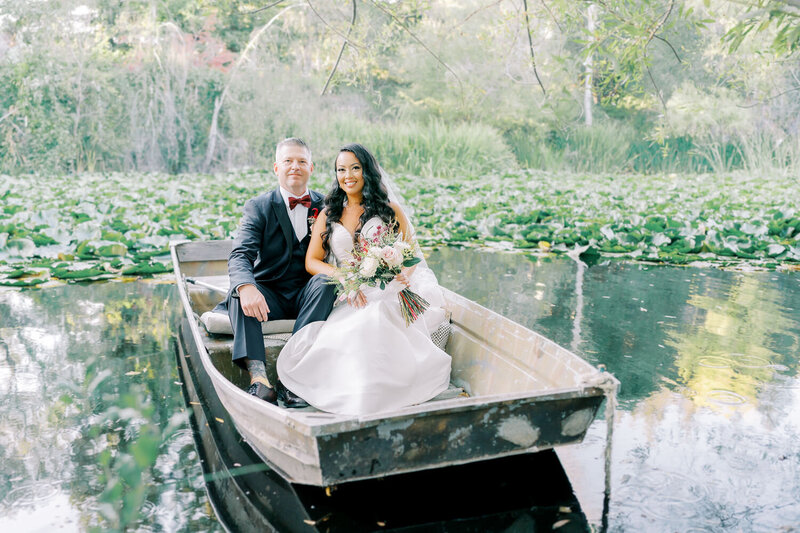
(540, 293)
(519, 286)
(105, 416)
(627, 306)
(650, 325)
(28, 430)
(728, 355)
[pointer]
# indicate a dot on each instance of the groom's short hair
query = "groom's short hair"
(294, 141)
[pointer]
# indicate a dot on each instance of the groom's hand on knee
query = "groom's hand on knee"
(253, 302)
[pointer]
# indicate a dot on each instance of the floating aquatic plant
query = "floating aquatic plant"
(97, 226)
(673, 219)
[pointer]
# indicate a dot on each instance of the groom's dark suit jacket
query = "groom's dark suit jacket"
(266, 243)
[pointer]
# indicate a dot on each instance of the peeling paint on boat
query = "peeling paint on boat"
(577, 422)
(489, 415)
(518, 430)
(459, 436)
(385, 430)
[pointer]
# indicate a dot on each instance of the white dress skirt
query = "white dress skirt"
(366, 360)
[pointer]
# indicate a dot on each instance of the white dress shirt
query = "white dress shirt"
(298, 216)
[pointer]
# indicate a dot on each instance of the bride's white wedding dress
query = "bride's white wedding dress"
(365, 360)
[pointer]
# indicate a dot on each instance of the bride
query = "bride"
(364, 359)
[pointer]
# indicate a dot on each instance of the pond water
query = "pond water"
(90, 403)
(706, 430)
(704, 439)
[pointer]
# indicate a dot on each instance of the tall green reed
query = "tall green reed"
(600, 148)
(616, 146)
(771, 153)
(434, 149)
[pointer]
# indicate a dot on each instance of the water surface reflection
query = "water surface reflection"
(92, 430)
(709, 413)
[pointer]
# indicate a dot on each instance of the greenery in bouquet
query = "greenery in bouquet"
(375, 262)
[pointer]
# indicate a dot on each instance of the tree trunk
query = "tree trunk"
(588, 101)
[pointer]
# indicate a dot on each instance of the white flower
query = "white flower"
(368, 266)
(374, 251)
(393, 257)
(401, 246)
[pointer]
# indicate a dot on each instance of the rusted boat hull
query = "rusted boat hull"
(433, 440)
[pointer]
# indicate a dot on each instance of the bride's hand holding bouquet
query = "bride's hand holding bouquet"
(377, 261)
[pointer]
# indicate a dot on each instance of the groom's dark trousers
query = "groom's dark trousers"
(267, 254)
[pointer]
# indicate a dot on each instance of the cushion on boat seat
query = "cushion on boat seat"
(441, 334)
(220, 324)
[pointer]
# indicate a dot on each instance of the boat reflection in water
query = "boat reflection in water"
(520, 493)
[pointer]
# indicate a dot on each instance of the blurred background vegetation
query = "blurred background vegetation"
(434, 87)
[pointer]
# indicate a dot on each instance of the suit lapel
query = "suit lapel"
(279, 208)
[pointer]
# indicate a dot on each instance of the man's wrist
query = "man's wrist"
(235, 293)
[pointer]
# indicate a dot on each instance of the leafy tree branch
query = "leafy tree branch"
(419, 41)
(530, 45)
(341, 50)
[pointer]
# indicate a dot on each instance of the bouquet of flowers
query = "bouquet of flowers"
(376, 261)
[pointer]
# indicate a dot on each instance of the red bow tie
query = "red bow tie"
(305, 201)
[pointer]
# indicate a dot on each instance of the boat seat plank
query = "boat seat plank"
(220, 324)
(204, 298)
(205, 251)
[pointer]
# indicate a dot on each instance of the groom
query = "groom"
(267, 267)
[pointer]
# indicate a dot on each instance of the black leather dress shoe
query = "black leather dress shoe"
(259, 390)
(290, 400)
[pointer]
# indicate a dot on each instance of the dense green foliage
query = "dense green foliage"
(97, 226)
(436, 88)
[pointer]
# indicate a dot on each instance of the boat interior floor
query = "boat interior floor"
(220, 347)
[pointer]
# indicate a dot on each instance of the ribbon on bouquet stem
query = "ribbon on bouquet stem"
(412, 305)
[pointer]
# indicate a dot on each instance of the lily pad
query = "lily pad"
(146, 269)
(20, 247)
(111, 250)
(14, 274)
(30, 282)
(112, 220)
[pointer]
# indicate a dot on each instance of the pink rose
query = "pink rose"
(391, 256)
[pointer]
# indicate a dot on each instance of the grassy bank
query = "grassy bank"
(94, 226)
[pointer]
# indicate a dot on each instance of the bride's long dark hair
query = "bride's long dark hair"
(375, 197)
